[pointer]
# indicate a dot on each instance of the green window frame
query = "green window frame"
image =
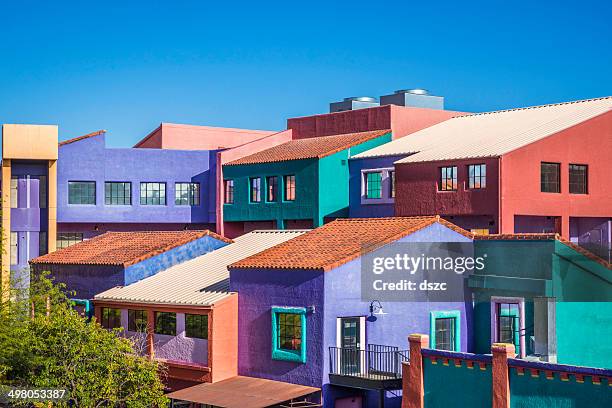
(117, 193)
(110, 318)
(373, 184)
(445, 314)
(82, 192)
(289, 334)
(165, 323)
(137, 320)
(196, 326)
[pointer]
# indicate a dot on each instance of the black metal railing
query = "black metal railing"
(376, 362)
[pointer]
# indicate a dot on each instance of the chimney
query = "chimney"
(353, 103)
(416, 98)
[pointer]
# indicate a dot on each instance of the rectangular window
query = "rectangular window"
(152, 193)
(196, 326)
(137, 320)
(271, 188)
(578, 179)
(508, 327)
(42, 191)
(187, 194)
(289, 182)
(14, 192)
(165, 323)
(550, 177)
(65, 239)
(392, 184)
(82, 192)
(229, 191)
(255, 189)
(477, 176)
(448, 178)
(289, 334)
(445, 333)
(14, 248)
(42, 243)
(111, 318)
(373, 185)
(117, 193)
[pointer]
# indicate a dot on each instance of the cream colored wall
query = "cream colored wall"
(29, 142)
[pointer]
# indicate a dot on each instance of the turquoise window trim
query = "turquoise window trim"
(443, 314)
(296, 356)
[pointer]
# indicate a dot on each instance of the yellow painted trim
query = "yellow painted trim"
(6, 228)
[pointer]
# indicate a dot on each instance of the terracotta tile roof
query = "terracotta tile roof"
(122, 248)
(312, 148)
(76, 139)
(339, 242)
(546, 237)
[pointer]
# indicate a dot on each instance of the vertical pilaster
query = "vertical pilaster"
(52, 206)
(501, 375)
(6, 229)
(150, 333)
(545, 331)
(412, 384)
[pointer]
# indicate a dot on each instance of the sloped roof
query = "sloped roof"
(490, 134)
(339, 242)
(316, 147)
(76, 139)
(123, 248)
(201, 281)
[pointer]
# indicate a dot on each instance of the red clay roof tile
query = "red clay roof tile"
(122, 248)
(312, 148)
(339, 242)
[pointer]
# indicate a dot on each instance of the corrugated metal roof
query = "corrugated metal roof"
(490, 134)
(201, 281)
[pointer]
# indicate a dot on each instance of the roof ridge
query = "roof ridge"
(76, 139)
(531, 107)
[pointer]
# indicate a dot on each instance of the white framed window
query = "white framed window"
(378, 186)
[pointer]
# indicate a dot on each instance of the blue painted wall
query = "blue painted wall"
(90, 160)
(356, 209)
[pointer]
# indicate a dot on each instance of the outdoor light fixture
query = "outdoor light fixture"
(376, 308)
(312, 309)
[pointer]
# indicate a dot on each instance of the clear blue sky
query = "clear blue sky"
(126, 66)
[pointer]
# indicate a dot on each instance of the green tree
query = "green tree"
(44, 343)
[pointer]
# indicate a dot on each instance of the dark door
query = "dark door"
(350, 344)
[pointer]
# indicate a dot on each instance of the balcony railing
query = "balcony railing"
(376, 362)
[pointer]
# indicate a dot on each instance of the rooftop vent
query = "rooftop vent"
(415, 97)
(353, 103)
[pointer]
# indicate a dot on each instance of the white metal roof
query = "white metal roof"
(201, 281)
(490, 134)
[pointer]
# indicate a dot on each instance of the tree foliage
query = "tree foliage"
(44, 343)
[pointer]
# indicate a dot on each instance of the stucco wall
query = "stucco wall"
(356, 208)
(258, 291)
(180, 348)
(85, 280)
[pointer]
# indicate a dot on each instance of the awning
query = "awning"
(243, 392)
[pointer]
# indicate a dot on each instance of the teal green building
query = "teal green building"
(549, 297)
(298, 184)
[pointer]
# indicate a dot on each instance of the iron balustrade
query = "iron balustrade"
(376, 362)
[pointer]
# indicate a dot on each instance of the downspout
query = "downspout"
(219, 200)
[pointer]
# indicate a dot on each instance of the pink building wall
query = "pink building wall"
(190, 137)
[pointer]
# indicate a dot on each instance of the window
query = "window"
(477, 176)
(289, 182)
(152, 193)
(508, 328)
(289, 334)
(165, 323)
(137, 320)
(255, 188)
(14, 192)
(82, 192)
(448, 178)
(111, 318)
(445, 330)
(392, 184)
(578, 179)
(42, 191)
(42, 243)
(187, 194)
(272, 188)
(196, 326)
(373, 184)
(229, 191)
(14, 248)
(65, 239)
(117, 193)
(550, 180)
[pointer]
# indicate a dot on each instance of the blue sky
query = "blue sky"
(127, 66)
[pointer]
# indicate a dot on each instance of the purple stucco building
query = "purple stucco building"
(316, 278)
